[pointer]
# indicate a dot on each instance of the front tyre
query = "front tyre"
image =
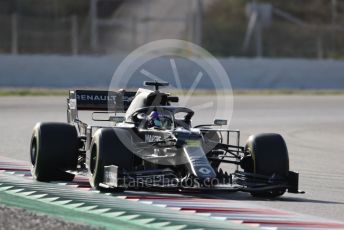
(107, 149)
(53, 150)
(270, 156)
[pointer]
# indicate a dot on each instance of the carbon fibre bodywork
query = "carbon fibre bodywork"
(179, 157)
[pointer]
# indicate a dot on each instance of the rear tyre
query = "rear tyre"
(53, 150)
(270, 156)
(108, 149)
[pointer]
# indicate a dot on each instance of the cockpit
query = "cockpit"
(162, 117)
(159, 120)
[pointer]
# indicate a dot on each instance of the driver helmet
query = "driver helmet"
(154, 120)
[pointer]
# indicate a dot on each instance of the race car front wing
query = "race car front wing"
(166, 180)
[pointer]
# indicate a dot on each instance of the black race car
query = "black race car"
(155, 146)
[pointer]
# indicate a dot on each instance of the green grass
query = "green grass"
(263, 92)
(290, 92)
(32, 92)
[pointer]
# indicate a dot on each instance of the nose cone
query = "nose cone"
(206, 175)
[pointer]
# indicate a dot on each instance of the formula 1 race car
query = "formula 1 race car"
(155, 146)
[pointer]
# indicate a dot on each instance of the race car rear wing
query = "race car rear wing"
(97, 100)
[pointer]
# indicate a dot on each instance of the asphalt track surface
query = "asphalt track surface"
(313, 127)
(9, 217)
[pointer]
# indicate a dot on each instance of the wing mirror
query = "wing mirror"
(142, 116)
(105, 116)
(173, 99)
(117, 119)
(220, 122)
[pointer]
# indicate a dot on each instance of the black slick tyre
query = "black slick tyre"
(53, 150)
(108, 149)
(270, 156)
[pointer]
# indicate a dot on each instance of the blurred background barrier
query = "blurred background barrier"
(94, 26)
(263, 28)
(245, 73)
(262, 43)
